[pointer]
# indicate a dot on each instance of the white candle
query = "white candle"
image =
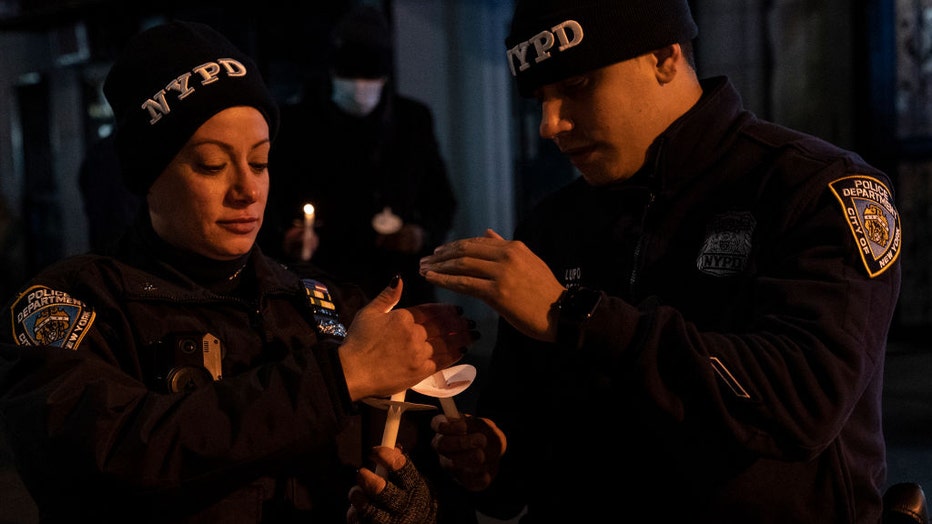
(449, 407)
(392, 424)
(308, 232)
(447, 403)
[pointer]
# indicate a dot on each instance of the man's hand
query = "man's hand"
(470, 449)
(389, 350)
(504, 274)
(403, 498)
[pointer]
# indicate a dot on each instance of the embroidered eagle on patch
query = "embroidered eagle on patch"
(48, 317)
(727, 244)
(873, 219)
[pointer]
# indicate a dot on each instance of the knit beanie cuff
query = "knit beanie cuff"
(551, 40)
(167, 82)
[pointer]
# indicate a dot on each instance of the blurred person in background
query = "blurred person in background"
(368, 160)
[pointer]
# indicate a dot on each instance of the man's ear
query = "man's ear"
(667, 58)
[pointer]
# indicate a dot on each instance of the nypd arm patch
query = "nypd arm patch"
(872, 217)
(45, 316)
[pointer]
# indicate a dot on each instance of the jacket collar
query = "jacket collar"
(697, 140)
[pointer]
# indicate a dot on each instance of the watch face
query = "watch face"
(581, 302)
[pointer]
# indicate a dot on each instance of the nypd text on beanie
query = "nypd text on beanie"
(166, 83)
(552, 40)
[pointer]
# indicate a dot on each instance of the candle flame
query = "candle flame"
(308, 209)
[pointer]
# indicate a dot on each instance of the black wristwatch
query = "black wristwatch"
(574, 309)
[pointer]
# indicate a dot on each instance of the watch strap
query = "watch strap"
(574, 308)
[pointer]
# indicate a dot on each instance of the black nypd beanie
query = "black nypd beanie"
(166, 83)
(552, 40)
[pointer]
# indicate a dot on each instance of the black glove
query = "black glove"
(405, 499)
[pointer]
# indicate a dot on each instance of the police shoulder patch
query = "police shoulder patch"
(869, 209)
(45, 316)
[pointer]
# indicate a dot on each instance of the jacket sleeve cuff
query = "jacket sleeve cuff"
(332, 368)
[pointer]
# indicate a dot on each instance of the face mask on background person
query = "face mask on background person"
(357, 96)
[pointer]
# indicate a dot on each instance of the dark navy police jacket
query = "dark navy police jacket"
(112, 418)
(732, 371)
